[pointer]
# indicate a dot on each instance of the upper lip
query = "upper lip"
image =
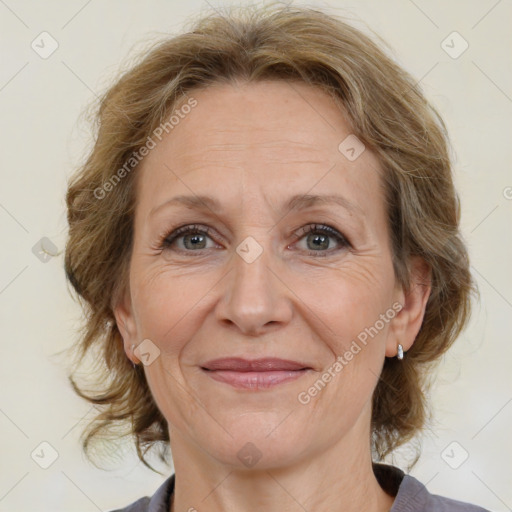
(239, 364)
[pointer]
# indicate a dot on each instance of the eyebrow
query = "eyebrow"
(295, 203)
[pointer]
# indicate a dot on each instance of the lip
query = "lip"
(255, 374)
(240, 364)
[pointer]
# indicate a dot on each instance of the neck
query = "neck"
(341, 478)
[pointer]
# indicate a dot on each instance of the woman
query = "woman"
(265, 236)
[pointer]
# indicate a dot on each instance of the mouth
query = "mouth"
(254, 374)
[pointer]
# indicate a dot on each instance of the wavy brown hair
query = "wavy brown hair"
(386, 110)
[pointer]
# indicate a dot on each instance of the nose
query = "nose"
(255, 299)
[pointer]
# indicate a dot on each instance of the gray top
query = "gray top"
(410, 495)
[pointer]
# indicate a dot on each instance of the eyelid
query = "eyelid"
(324, 228)
(173, 234)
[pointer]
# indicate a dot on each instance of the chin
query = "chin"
(255, 444)
(257, 455)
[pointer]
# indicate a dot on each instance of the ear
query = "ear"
(407, 323)
(125, 320)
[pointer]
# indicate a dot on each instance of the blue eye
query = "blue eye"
(194, 238)
(318, 236)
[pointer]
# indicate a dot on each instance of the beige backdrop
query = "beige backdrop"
(45, 82)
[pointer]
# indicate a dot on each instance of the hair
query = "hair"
(386, 110)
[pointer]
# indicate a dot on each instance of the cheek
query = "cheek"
(347, 300)
(355, 312)
(167, 309)
(163, 296)
(360, 321)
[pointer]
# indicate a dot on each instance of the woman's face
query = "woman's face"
(279, 275)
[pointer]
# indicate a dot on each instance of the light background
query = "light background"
(43, 140)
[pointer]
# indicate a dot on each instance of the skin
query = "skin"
(252, 146)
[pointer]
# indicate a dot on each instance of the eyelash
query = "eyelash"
(168, 240)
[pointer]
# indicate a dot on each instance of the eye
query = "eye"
(318, 238)
(188, 238)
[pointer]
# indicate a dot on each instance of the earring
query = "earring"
(400, 352)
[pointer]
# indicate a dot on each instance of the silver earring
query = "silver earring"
(400, 354)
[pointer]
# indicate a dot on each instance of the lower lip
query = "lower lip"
(255, 380)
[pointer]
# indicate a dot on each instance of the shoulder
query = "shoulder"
(413, 496)
(449, 505)
(159, 502)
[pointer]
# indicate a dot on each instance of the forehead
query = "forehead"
(256, 138)
(276, 116)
